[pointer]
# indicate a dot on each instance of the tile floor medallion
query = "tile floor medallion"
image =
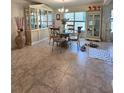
(36, 69)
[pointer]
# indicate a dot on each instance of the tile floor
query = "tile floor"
(36, 69)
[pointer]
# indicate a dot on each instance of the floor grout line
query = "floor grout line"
(61, 80)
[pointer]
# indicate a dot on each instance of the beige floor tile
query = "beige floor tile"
(40, 89)
(36, 69)
(69, 84)
(53, 77)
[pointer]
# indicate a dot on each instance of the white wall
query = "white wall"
(17, 9)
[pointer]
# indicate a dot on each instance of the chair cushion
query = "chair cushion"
(74, 38)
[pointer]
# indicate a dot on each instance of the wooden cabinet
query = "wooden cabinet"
(37, 20)
(93, 25)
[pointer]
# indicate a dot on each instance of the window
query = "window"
(111, 21)
(76, 19)
(80, 18)
(69, 16)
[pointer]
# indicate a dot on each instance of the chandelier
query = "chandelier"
(63, 9)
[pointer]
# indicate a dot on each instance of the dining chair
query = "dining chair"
(52, 30)
(57, 41)
(70, 28)
(50, 35)
(75, 36)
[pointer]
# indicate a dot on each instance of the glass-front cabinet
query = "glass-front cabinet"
(37, 20)
(93, 25)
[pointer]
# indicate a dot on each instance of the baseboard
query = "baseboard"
(36, 42)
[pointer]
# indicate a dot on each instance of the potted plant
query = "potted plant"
(63, 23)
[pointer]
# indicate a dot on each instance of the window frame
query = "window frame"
(74, 21)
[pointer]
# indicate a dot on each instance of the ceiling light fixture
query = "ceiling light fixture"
(63, 9)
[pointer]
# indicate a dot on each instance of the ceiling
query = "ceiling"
(66, 3)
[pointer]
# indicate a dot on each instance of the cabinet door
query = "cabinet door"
(90, 25)
(33, 18)
(96, 25)
(39, 18)
(50, 18)
(43, 18)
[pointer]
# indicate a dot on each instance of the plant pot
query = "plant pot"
(79, 30)
(20, 40)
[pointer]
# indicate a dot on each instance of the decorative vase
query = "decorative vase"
(99, 8)
(64, 23)
(94, 7)
(20, 39)
(90, 8)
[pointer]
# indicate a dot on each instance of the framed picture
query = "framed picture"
(57, 16)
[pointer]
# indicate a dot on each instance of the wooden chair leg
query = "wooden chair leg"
(52, 46)
(78, 42)
(49, 40)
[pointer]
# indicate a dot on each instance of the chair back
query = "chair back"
(76, 35)
(55, 32)
(70, 28)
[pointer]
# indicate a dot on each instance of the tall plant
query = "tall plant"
(19, 23)
(64, 21)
